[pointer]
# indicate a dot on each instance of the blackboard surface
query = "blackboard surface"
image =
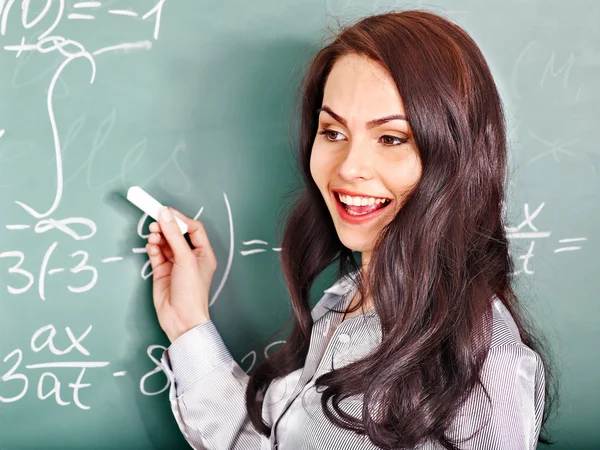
(192, 101)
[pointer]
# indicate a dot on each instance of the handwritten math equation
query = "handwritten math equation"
(75, 357)
(39, 24)
(527, 230)
(16, 379)
(82, 276)
(47, 40)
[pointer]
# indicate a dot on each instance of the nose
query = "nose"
(356, 163)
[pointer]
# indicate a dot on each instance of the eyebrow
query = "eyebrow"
(370, 124)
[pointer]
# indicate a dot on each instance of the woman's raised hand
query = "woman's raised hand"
(181, 275)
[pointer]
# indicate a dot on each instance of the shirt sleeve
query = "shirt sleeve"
(513, 376)
(207, 392)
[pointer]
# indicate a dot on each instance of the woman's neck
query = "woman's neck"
(366, 306)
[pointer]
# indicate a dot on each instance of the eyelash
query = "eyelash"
(400, 140)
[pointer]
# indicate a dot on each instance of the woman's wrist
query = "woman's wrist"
(176, 334)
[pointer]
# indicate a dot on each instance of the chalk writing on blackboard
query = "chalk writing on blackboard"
(157, 370)
(257, 250)
(80, 264)
(42, 341)
(54, 373)
(158, 349)
(533, 233)
(72, 50)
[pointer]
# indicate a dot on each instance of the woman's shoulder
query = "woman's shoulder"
(507, 347)
(512, 383)
(505, 330)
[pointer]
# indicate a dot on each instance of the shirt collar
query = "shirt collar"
(333, 296)
(343, 285)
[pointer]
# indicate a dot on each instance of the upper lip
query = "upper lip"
(357, 194)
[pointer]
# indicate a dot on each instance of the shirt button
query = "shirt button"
(344, 338)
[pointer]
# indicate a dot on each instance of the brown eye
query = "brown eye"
(393, 140)
(328, 133)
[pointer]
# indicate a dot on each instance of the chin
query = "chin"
(354, 244)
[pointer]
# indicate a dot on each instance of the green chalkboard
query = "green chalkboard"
(193, 101)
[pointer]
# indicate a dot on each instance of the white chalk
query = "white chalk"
(149, 205)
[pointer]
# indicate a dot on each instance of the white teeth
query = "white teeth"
(361, 201)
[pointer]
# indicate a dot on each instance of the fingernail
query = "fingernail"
(165, 214)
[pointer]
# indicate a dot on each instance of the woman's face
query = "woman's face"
(355, 153)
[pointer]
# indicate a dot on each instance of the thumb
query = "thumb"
(182, 253)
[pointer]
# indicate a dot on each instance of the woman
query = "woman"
(403, 151)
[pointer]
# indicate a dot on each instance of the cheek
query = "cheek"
(414, 172)
(318, 168)
(402, 178)
(314, 173)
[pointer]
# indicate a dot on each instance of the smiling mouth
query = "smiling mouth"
(360, 211)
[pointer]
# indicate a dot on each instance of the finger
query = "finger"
(165, 248)
(154, 227)
(161, 271)
(196, 231)
(172, 233)
(156, 256)
(154, 238)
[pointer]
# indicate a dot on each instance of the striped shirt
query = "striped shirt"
(207, 392)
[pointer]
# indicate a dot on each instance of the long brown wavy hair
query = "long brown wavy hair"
(436, 266)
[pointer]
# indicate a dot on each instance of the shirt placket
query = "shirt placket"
(319, 351)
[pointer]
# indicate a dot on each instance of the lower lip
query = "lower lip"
(356, 220)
